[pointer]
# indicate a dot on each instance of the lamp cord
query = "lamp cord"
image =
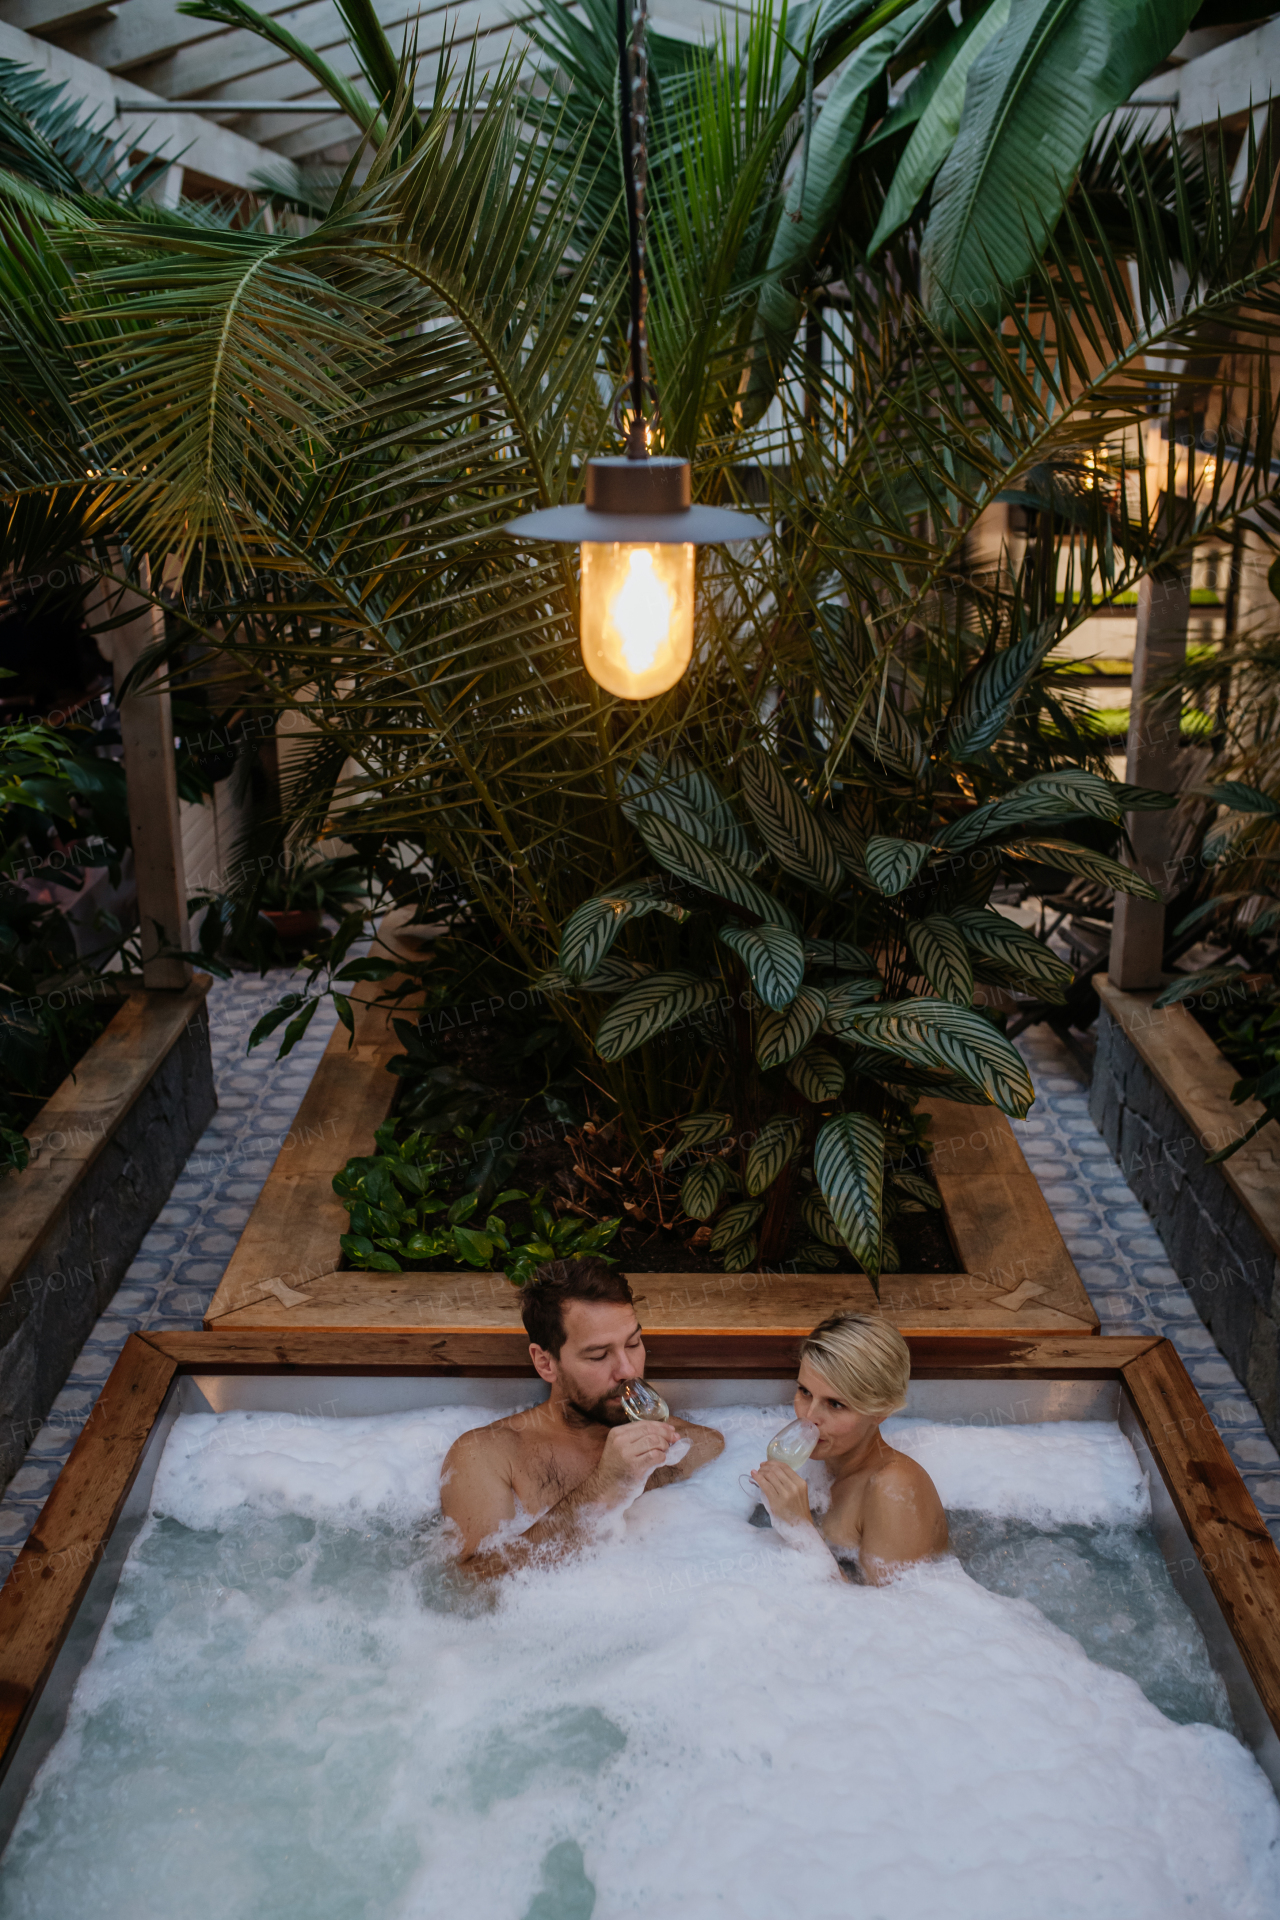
(633, 79)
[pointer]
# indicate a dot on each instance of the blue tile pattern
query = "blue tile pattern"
(1120, 1258)
(183, 1257)
(178, 1266)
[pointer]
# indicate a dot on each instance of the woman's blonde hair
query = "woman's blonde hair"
(866, 1360)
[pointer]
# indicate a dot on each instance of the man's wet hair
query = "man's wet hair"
(557, 1281)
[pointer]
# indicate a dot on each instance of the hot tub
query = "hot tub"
(1217, 1555)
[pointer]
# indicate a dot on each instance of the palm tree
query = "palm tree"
(331, 427)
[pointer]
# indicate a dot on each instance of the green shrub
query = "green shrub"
(799, 926)
(403, 1207)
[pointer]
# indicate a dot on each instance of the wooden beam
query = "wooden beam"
(766, 1353)
(1164, 607)
(50, 1575)
(1238, 1555)
(42, 16)
(214, 152)
(151, 778)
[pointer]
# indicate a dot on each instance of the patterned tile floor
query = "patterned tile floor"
(1121, 1260)
(180, 1262)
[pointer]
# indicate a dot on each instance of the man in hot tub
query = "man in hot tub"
(540, 1481)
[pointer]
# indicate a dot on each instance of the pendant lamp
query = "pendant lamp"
(637, 527)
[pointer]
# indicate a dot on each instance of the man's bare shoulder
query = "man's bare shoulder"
(498, 1439)
(503, 1439)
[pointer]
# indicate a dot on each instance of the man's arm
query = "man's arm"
(705, 1444)
(478, 1496)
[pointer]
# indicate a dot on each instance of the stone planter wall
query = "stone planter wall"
(1161, 1100)
(106, 1150)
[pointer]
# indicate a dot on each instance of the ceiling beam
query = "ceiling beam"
(42, 16)
(226, 158)
(1228, 80)
(237, 54)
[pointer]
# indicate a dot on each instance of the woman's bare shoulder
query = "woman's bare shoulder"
(902, 1478)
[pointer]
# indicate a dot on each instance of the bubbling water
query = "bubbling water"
(297, 1707)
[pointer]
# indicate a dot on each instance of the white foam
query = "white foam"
(1081, 1472)
(722, 1730)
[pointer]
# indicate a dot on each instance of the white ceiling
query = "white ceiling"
(151, 48)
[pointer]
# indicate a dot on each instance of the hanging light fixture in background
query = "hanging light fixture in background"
(637, 528)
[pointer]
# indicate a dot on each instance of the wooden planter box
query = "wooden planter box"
(1017, 1274)
(1219, 1554)
(1161, 1099)
(105, 1152)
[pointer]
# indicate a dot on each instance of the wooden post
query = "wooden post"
(151, 779)
(1137, 937)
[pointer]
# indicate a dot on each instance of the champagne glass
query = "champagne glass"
(640, 1402)
(792, 1445)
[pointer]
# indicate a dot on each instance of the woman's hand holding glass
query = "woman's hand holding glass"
(785, 1493)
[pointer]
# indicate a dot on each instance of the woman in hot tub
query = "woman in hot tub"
(885, 1512)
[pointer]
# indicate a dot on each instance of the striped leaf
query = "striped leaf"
(894, 864)
(985, 702)
(1002, 816)
(649, 1009)
(1053, 796)
(789, 828)
(839, 956)
(938, 948)
(849, 996)
(611, 976)
(772, 956)
(704, 1187)
(848, 1159)
(816, 1075)
(934, 1033)
(813, 1257)
(592, 928)
(739, 1255)
(781, 1035)
(849, 843)
(700, 1129)
(1069, 858)
(1013, 947)
(776, 1143)
(816, 1215)
(699, 793)
(736, 1223)
(918, 1187)
(1241, 798)
(700, 866)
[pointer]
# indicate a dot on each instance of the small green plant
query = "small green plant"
(403, 1207)
(62, 812)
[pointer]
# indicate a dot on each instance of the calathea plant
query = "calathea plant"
(821, 971)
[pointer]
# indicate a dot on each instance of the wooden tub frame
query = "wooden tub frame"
(1194, 1480)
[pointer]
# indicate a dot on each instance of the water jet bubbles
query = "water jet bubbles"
(640, 1402)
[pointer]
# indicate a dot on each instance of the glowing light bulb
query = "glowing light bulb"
(641, 612)
(637, 615)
